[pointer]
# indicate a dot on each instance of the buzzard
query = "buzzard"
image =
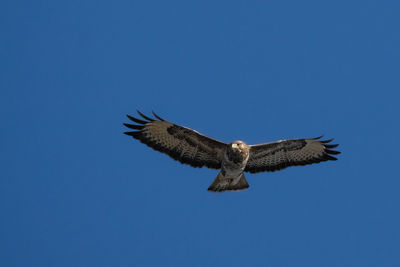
(233, 159)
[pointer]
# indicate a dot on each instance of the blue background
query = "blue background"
(75, 191)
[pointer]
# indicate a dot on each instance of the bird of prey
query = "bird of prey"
(233, 159)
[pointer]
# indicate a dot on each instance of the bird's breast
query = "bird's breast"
(236, 156)
(234, 162)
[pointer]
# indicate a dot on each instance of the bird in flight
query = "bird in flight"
(233, 159)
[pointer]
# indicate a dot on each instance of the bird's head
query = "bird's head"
(237, 145)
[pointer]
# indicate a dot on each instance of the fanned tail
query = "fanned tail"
(222, 183)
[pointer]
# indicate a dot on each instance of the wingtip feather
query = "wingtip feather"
(133, 134)
(135, 127)
(144, 116)
(158, 117)
(329, 157)
(137, 120)
(333, 152)
(330, 145)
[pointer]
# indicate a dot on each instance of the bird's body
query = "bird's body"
(232, 167)
(233, 159)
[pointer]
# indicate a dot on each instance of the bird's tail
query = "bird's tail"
(222, 183)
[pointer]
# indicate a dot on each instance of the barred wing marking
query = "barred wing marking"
(180, 143)
(281, 154)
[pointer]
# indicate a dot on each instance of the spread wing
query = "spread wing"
(180, 143)
(281, 154)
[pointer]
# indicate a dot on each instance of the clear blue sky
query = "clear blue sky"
(75, 191)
